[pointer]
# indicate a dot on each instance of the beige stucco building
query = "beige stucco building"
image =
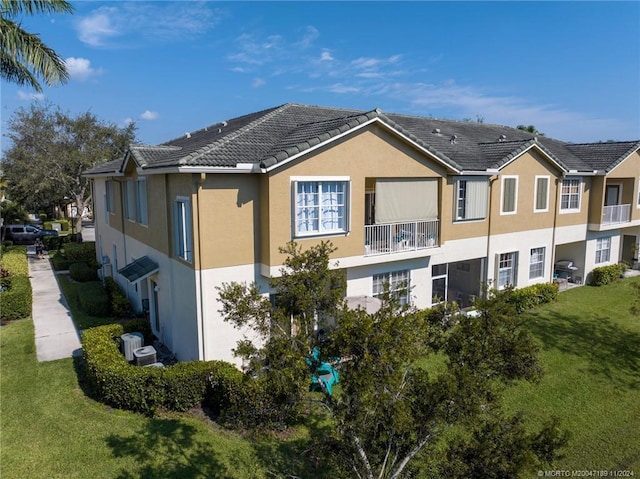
(443, 205)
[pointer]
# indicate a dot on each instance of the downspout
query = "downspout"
(124, 236)
(555, 224)
(489, 216)
(200, 300)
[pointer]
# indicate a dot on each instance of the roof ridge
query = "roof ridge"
(235, 134)
(506, 142)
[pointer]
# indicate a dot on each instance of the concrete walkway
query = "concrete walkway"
(56, 335)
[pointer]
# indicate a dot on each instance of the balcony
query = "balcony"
(389, 238)
(616, 214)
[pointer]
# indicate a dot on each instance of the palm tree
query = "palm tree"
(23, 56)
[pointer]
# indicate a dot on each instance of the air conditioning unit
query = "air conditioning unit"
(106, 260)
(106, 270)
(100, 275)
(131, 342)
(145, 355)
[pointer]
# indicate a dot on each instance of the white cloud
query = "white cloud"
(130, 24)
(150, 115)
(127, 121)
(80, 68)
(310, 35)
(29, 96)
(258, 82)
(325, 56)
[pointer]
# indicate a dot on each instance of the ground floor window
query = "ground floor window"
(439, 285)
(603, 249)
(396, 283)
(507, 263)
(536, 263)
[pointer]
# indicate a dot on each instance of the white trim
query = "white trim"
(293, 179)
(537, 147)
(293, 188)
(638, 195)
(622, 161)
(515, 196)
(535, 193)
(563, 211)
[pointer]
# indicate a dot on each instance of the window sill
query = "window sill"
(321, 235)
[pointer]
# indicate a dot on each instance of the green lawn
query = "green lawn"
(590, 352)
(590, 349)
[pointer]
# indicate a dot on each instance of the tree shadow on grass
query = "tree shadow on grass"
(611, 351)
(167, 448)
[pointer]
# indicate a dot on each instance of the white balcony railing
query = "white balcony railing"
(391, 238)
(612, 215)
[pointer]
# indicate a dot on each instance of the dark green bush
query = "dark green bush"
(81, 252)
(82, 272)
(145, 389)
(607, 274)
(93, 299)
(60, 262)
(16, 299)
(118, 300)
(524, 299)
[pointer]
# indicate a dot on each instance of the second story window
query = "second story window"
(320, 207)
(109, 197)
(570, 195)
(509, 195)
(182, 228)
(141, 201)
(129, 200)
(471, 198)
(541, 199)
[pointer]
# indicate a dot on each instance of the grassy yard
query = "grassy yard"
(590, 349)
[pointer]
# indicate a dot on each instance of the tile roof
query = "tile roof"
(269, 137)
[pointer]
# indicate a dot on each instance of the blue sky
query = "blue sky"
(572, 69)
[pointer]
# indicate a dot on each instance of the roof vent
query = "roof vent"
(453, 139)
(187, 134)
(502, 138)
(436, 131)
(224, 123)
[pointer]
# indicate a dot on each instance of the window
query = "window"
(536, 263)
(509, 195)
(439, 279)
(182, 229)
(471, 199)
(603, 249)
(570, 195)
(320, 207)
(396, 283)
(141, 201)
(129, 200)
(638, 193)
(109, 196)
(541, 200)
(507, 264)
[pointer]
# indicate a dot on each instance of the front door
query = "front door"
(154, 310)
(629, 249)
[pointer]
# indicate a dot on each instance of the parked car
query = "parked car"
(25, 234)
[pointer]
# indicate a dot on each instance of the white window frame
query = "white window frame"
(320, 181)
(507, 262)
(603, 250)
(536, 192)
(444, 276)
(537, 258)
(569, 209)
(638, 198)
(129, 199)
(461, 200)
(515, 195)
(398, 282)
(182, 238)
(109, 197)
(142, 212)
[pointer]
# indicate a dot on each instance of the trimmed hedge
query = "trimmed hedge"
(93, 299)
(64, 224)
(607, 274)
(60, 263)
(14, 259)
(81, 252)
(16, 298)
(524, 299)
(82, 272)
(118, 300)
(147, 389)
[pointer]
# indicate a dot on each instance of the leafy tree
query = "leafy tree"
(531, 129)
(23, 56)
(285, 327)
(406, 378)
(49, 151)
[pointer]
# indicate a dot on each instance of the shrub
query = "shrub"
(93, 299)
(42, 216)
(16, 299)
(524, 299)
(118, 300)
(14, 260)
(81, 252)
(607, 274)
(60, 263)
(147, 390)
(82, 272)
